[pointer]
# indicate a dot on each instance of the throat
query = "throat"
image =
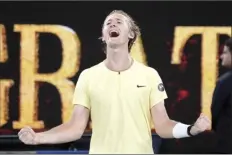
(119, 66)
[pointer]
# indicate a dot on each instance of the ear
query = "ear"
(103, 39)
(131, 35)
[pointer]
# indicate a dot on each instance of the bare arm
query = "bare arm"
(71, 130)
(67, 132)
(164, 125)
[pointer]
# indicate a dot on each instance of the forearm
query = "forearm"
(61, 134)
(165, 130)
(173, 129)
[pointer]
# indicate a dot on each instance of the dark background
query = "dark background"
(157, 21)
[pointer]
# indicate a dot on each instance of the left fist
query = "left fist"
(202, 124)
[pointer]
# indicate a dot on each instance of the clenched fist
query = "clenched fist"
(28, 136)
(202, 124)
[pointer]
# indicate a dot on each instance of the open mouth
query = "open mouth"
(114, 34)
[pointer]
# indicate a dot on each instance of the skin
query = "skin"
(226, 57)
(117, 59)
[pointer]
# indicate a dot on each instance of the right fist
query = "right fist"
(28, 136)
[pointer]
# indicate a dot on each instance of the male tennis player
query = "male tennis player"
(123, 97)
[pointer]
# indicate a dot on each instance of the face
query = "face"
(226, 57)
(116, 30)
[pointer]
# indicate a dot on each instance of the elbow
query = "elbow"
(78, 131)
(74, 132)
(164, 130)
(79, 134)
(162, 134)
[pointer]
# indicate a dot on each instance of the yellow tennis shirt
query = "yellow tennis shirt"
(120, 107)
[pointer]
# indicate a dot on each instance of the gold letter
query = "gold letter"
(4, 100)
(29, 76)
(209, 62)
(4, 84)
(3, 45)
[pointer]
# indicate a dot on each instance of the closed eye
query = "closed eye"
(119, 21)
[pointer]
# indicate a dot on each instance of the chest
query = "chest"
(113, 90)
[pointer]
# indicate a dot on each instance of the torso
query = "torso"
(120, 110)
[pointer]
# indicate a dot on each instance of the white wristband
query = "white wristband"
(180, 130)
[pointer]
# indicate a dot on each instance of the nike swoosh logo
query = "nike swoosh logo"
(139, 86)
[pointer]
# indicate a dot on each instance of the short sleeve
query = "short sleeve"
(81, 95)
(158, 92)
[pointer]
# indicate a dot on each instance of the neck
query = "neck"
(118, 59)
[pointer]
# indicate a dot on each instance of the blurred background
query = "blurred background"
(44, 46)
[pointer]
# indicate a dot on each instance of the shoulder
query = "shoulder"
(224, 82)
(92, 70)
(147, 70)
(225, 78)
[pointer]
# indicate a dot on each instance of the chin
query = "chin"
(226, 65)
(114, 44)
(114, 41)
